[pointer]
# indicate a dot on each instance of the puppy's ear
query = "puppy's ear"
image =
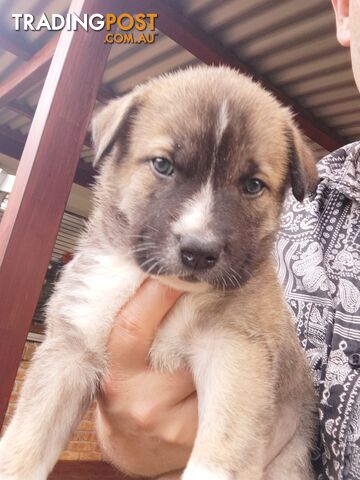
(302, 165)
(112, 124)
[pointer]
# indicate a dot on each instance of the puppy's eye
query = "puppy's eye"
(253, 186)
(163, 166)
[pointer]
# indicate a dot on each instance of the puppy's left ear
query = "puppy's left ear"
(302, 165)
(112, 124)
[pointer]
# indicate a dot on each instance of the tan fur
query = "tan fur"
(239, 343)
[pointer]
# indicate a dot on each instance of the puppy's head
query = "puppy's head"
(194, 170)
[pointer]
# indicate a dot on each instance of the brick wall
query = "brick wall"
(83, 444)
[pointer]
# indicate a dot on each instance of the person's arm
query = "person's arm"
(147, 420)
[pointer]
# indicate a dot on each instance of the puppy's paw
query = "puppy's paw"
(200, 472)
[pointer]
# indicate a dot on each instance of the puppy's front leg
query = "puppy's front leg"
(60, 383)
(235, 408)
(66, 369)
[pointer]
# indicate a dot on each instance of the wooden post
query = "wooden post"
(43, 181)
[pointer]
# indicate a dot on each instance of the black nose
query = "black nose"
(199, 254)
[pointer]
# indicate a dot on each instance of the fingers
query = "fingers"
(145, 394)
(137, 322)
(166, 388)
(179, 424)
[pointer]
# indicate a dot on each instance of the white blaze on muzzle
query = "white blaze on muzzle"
(196, 215)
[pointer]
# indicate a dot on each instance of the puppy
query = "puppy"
(194, 168)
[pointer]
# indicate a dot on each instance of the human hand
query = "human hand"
(147, 420)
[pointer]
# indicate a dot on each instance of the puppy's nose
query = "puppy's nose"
(197, 253)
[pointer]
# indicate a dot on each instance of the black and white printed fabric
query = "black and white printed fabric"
(318, 256)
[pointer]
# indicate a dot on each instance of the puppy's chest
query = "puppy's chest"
(185, 333)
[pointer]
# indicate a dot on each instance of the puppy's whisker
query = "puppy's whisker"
(148, 261)
(140, 236)
(222, 281)
(152, 228)
(143, 248)
(236, 276)
(142, 244)
(135, 252)
(234, 280)
(153, 267)
(245, 270)
(162, 268)
(231, 280)
(228, 276)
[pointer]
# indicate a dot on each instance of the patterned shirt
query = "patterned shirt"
(318, 256)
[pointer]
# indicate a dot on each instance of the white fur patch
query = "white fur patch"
(198, 472)
(196, 214)
(222, 122)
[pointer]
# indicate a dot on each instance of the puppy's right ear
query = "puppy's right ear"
(112, 124)
(302, 165)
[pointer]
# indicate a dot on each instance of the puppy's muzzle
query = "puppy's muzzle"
(199, 254)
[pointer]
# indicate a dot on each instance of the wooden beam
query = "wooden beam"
(28, 74)
(33, 71)
(9, 42)
(43, 181)
(12, 143)
(21, 108)
(13, 134)
(206, 48)
(9, 146)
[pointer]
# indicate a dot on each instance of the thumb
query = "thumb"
(136, 324)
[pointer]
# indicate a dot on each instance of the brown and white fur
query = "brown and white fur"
(219, 131)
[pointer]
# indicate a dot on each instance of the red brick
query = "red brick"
(70, 456)
(86, 436)
(86, 425)
(91, 456)
(81, 446)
